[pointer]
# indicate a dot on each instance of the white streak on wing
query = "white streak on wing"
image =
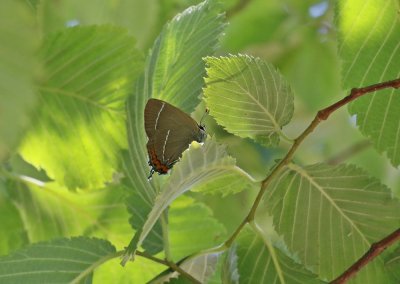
(165, 144)
(158, 116)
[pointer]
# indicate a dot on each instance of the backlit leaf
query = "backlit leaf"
(248, 97)
(78, 129)
(198, 165)
(261, 262)
(58, 261)
(369, 49)
(330, 215)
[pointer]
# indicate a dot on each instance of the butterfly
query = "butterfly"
(170, 132)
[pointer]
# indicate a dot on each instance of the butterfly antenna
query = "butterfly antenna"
(205, 113)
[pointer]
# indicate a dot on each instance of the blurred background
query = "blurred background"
(298, 37)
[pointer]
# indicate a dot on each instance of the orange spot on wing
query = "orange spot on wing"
(155, 163)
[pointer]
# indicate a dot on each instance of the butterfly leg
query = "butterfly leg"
(151, 174)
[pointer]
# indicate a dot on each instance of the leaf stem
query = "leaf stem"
(271, 250)
(319, 117)
(375, 250)
(170, 264)
(96, 264)
(165, 262)
(165, 233)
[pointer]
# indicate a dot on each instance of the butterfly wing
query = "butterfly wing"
(170, 131)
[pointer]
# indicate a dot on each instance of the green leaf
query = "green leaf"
(12, 233)
(174, 71)
(260, 22)
(330, 215)
(230, 272)
(392, 263)
(137, 16)
(192, 228)
(260, 262)
(59, 261)
(200, 164)
(18, 68)
(368, 46)
(201, 267)
(142, 270)
(50, 212)
(79, 128)
(248, 97)
(139, 203)
(22, 168)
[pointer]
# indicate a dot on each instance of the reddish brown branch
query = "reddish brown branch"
(375, 250)
(319, 117)
(170, 264)
(356, 93)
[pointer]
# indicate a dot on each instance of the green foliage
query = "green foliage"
(392, 263)
(203, 164)
(368, 46)
(73, 89)
(18, 69)
(201, 267)
(248, 97)
(187, 235)
(330, 215)
(258, 261)
(78, 128)
(177, 40)
(72, 261)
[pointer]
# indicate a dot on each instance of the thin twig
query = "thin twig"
(170, 264)
(375, 250)
(320, 116)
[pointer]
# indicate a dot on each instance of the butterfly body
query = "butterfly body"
(170, 132)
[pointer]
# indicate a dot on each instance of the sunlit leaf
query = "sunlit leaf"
(177, 69)
(369, 49)
(59, 261)
(22, 168)
(142, 270)
(78, 129)
(18, 67)
(48, 212)
(261, 262)
(330, 215)
(248, 97)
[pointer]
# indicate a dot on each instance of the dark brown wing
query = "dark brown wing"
(170, 130)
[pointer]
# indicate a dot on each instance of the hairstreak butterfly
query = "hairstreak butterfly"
(170, 131)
